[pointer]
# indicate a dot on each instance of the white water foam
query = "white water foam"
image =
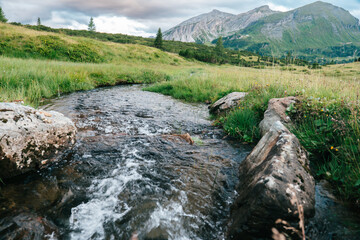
(171, 218)
(87, 219)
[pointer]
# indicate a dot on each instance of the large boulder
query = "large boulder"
(276, 112)
(31, 139)
(274, 174)
(226, 103)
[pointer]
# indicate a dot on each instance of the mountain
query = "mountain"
(315, 26)
(212, 25)
(314, 31)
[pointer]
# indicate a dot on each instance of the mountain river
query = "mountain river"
(134, 172)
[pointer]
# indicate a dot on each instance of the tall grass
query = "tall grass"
(329, 130)
(243, 121)
(34, 80)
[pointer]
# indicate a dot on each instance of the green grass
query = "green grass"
(35, 80)
(20, 42)
(243, 121)
(330, 132)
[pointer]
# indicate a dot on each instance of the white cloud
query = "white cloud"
(138, 17)
(61, 19)
(278, 7)
(114, 24)
(107, 24)
(356, 13)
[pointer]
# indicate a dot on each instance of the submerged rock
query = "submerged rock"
(227, 102)
(27, 226)
(31, 139)
(274, 175)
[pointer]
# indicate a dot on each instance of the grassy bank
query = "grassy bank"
(33, 80)
(330, 131)
(326, 119)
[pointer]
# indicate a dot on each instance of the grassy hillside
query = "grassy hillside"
(204, 53)
(16, 41)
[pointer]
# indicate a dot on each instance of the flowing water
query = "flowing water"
(133, 172)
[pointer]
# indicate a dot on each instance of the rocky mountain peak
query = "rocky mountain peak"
(263, 8)
(209, 26)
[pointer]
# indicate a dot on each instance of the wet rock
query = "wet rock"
(31, 139)
(276, 112)
(275, 172)
(226, 103)
(274, 175)
(157, 234)
(27, 226)
(185, 137)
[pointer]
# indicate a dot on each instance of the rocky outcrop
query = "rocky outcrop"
(209, 26)
(274, 174)
(226, 103)
(276, 112)
(31, 139)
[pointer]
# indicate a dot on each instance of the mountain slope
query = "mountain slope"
(317, 25)
(312, 32)
(209, 26)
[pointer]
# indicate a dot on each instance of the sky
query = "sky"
(137, 17)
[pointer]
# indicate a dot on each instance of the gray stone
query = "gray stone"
(31, 139)
(275, 172)
(226, 103)
(276, 112)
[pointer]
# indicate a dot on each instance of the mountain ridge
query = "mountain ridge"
(318, 26)
(209, 26)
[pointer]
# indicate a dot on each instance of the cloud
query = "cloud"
(356, 13)
(278, 7)
(63, 19)
(137, 16)
(114, 24)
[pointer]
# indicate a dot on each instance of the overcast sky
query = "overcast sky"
(137, 17)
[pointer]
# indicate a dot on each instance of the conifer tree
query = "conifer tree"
(2, 16)
(219, 48)
(158, 43)
(38, 21)
(91, 25)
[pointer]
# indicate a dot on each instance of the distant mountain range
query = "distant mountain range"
(315, 31)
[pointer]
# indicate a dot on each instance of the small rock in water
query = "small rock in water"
(157, 234)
